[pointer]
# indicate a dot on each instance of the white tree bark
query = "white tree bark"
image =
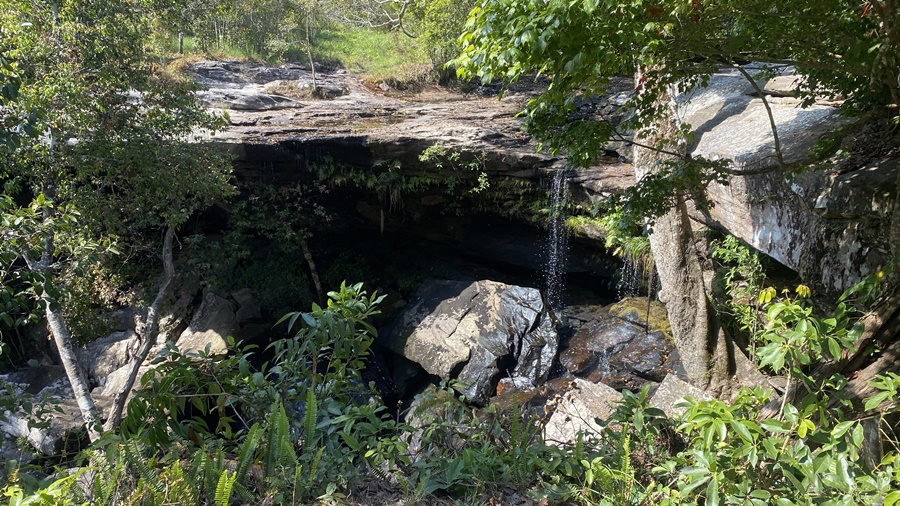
(63, 340)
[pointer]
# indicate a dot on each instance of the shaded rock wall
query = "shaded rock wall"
(832, 228)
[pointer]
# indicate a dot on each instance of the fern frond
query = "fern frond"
(179, 489)
(515, 429)
(309, 421)
(246, 453)
(224, 487)
(138, 462)
(106, 479)
(287, 456)
(314, 466)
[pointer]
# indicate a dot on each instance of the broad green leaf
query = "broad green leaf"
(858, 435)
(876, 399)
(712, 493)
(841, 428)
(776, 426)
(741, 430)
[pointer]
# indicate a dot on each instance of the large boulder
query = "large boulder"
(211, 325)
(105, 355)
(671, 394)
(831, 227)
(476, 332)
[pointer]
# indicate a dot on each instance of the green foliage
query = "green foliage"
(459, 176)
(677, 45)
(302, 419)
(456, 167)
(110, 156)
(656, 192)
(467, 453)
(328, 350)
(736, 459)
(742, 276)
(12, 126)
(718, 453)
(743, 265)
(795, 337)
(308, 433)
(439, 23)
(375, 55)
(262, 244)
(58, 492)
(628, 241)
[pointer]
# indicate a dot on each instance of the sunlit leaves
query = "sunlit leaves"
(581, 44)
(104, 137)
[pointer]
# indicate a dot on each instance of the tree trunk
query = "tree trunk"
(63, 340)
(61, 336)
(309, 55)
(73, 369)
(180, 43)
(148, 333)
(710, 358)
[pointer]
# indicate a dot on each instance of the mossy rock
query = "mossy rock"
(586, 227)
(634, 309)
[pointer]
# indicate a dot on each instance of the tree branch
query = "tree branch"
(148, 334)
(762, 96)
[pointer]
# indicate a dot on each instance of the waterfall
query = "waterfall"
(557, 246)
(630, 280)
(636, 279)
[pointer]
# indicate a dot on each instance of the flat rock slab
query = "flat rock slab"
(360, 123)
(576, 411)
(731, 121)
(672, 391)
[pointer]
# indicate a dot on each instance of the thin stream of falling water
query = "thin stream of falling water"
(630, 280)
(634, 280)
(556, 248)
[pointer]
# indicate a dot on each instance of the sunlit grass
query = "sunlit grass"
(192, 49)
(374, 55)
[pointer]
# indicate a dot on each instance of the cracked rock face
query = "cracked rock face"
(832, 227)
(476, 332)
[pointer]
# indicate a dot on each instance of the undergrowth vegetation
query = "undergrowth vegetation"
(305, 427)
(377, 56)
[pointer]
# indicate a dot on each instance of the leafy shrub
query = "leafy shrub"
(811, 453)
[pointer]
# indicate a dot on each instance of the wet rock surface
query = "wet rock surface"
(476, 332)
(616, 345)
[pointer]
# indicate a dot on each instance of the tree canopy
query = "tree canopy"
(847, 49)
(113, 157)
